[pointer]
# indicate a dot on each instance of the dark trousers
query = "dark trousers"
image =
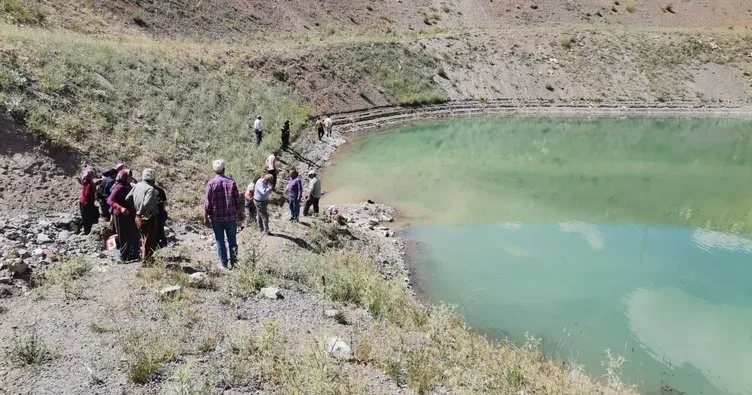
(285, 141)
(89, 216)
(321, 133)
(311, 201)
(128, 237)
(258, 136)
(161, 223)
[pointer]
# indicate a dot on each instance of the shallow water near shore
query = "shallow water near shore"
(623, 234)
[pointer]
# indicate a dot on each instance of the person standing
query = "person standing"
(295, 192)
(320, 128)
(162, 217)
(250, 207)
(105, 188)
(261, 193)
(271, 167)
(89, 213)
(313, 195)
(144, 198)
(124, 214)
(258, 128)
(328, 126)
(222, 211)
(285, 135)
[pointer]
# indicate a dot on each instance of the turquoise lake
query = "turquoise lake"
(629, 234)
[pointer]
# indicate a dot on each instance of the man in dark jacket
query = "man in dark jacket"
(105, 187)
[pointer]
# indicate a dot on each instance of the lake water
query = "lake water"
(592, 234)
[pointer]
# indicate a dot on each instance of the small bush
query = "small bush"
(248, 281)
(209, 342)
(29, 351)
(630, 6)
(17, 13)
(566, 41)
(431, 18)
(98, 329)
(70, 275)
(422, 371)
(669, 8)
(147, 353)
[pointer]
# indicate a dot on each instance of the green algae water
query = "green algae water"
(630, 235)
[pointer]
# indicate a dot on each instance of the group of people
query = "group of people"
(224, 208)
(323, 127)
(135, 210)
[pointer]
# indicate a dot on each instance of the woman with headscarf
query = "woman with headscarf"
(124, 215)
(89, 212)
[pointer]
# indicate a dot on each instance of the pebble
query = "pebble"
(338, 349)
(43, 238)
(271, 293)
(167, 292)
(199, 280)
(331, 313)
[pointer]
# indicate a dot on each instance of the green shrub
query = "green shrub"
(29, 351)
(16, 12)
(70, 275)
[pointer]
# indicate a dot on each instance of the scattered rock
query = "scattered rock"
(338, 349)
(64, 235)
(43, 238)
(23, 254)
(331, 313)
(170, 291)
(38, 252)
(199, 280)
(371, 201)
(550, 87)
(18, 267)
(373, 221)
(271, 293)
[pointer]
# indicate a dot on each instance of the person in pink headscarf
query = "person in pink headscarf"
(89, 212)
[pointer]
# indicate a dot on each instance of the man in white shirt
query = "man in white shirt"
(328, 126)
(271, 167)
(258, 128)
(261, 193)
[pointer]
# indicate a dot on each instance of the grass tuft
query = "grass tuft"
(70, 275)
(15, 12)
(30, 351)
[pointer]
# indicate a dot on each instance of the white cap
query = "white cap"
(149, 175)
(311, 172)
(218, 166)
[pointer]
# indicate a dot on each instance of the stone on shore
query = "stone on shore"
(338, 349)
(271, 293)
(170, 291)
(199, 280)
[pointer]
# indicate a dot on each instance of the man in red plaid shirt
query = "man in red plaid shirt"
(222, 211)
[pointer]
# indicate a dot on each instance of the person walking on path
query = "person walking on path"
(124, 214)
(89, 212)
(285, 135)
(105, 188)
(271, 167)
(313, 195)
(258, 128)
(162, 217)
(144, 198)
(295, 191)
(222, 211)
(328, 126)
(320, 128)
(261, 193)
(250, 207)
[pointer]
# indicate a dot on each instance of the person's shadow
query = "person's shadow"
(297, 240)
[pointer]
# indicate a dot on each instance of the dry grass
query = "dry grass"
(70, 276)
(29, 351)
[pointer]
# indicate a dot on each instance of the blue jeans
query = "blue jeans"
(294, 209)
(229, 228)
